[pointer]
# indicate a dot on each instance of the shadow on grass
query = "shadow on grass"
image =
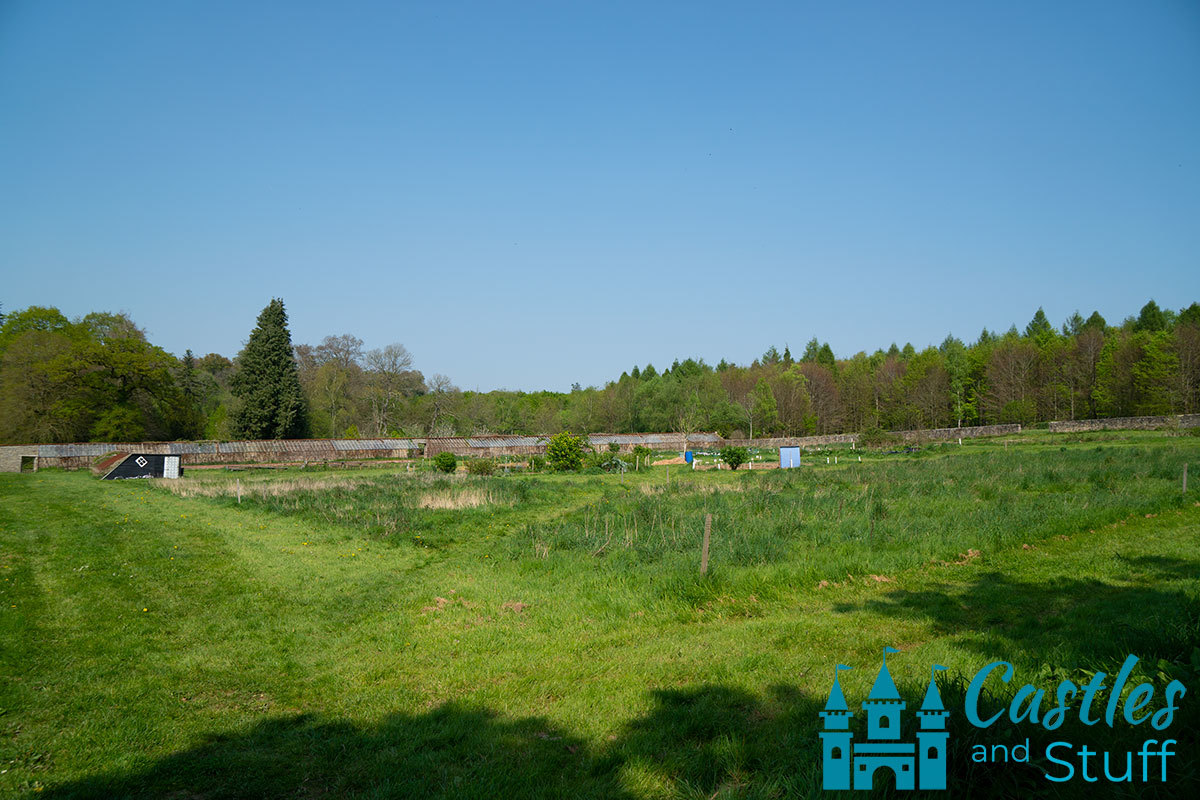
(1066, 627)
(449, 752)
(710, 741)
(706, 742)
(1067, 620)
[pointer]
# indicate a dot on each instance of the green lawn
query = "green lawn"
(339, 633)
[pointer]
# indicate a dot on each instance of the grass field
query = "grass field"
(375, 633)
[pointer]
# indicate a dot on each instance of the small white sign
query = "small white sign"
(141, 461)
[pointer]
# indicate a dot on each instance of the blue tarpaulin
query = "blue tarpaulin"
(687, 456)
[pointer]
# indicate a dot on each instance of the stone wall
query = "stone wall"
(932, 434)
(953, 434)
(1126, 423)
(10, 456)
(795, 441)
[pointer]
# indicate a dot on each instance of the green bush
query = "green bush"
(564, 452)
(613, 463)
(445, 462)
(877, 437)
(641, 455)
(734, 456)
(481, 466)
(537, 463)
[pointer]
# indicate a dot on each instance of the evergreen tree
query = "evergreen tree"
(787, 354)
(825, 357)
(1190, 315)
(1095, 322)
(268, 383)
(1039, 328)
(1151, 319)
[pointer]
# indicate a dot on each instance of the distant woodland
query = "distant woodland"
(98, 378)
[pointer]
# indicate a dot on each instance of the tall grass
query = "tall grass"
(784, 526)
(866, 518)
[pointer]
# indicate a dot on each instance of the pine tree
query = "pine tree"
(1151, 318)
(268, 383)
(1039, 328)
(1190, 315)
(1095, 322)
(825, 357)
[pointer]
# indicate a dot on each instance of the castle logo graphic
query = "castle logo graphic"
(914, 765)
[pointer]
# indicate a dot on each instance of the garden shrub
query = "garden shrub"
(481, 466)
(564, 452)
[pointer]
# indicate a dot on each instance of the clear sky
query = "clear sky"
(528, 195)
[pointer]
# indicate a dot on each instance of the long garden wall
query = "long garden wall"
(81, 456)
(931, 434)
(1127, 423)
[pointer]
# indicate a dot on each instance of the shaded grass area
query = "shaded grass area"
(284, 654)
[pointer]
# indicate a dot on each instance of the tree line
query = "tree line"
(98, 378)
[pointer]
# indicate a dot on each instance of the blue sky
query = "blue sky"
(532, 194)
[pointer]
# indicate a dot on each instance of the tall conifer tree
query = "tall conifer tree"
(267, 382)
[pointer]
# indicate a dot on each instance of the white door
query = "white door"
(171, 467)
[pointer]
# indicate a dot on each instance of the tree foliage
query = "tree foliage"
(97, 377)
(564, 452)
(734, 456)
(267, 382)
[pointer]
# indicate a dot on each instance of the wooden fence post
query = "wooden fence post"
(704, 549)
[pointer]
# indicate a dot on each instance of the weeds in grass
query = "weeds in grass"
(466, 497)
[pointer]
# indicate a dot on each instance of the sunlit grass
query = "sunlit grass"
(333, 637)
